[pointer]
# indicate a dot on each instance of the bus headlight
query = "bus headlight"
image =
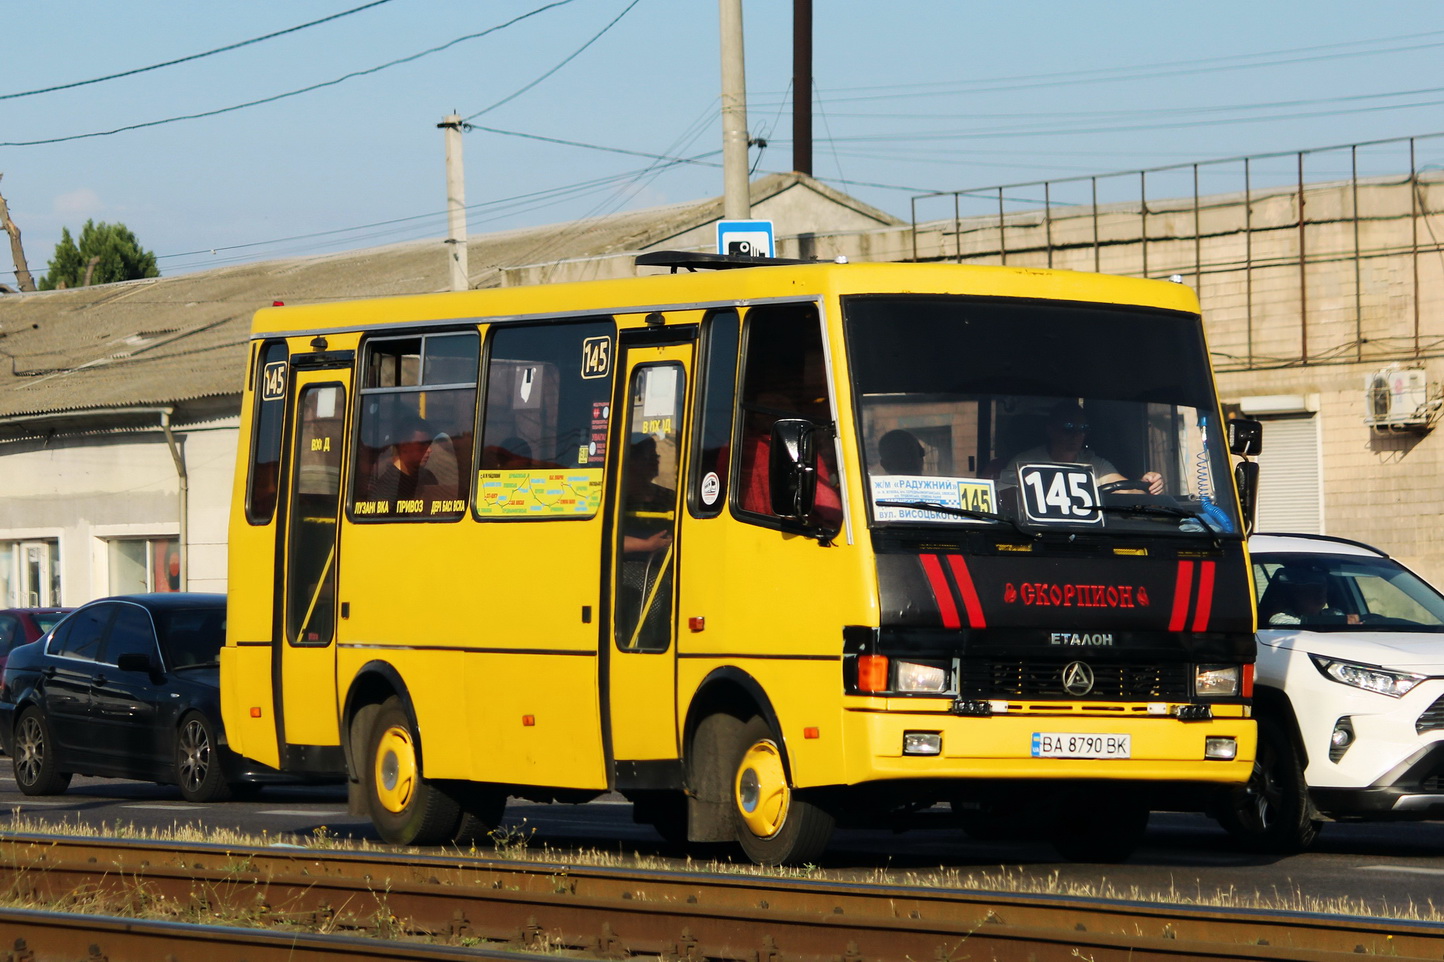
(1217, 681)
(915, 676)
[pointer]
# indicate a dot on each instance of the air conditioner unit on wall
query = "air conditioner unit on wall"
(1397, 399)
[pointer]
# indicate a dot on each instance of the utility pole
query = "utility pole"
(736, 200)
(455, 203)
(802, 86)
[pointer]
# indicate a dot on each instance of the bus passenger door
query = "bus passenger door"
(304, 665)
(641, 680)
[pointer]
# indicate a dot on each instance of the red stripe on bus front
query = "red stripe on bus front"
(1205, 596)
(944, 594)
(1180, 596)
(966, 589)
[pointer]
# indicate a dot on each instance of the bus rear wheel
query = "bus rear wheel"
(405, 808)
(776, 825)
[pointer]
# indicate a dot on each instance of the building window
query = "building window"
(30, 573)
(139, 565)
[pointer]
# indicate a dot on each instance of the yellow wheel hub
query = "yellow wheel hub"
(761, 789)
(395, 776)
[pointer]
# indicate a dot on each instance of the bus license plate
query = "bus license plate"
(1078, 745)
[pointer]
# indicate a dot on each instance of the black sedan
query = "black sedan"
(125, 687)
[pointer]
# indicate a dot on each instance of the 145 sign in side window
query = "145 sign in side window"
(1059, 493)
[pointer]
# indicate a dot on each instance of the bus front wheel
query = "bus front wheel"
(776, 825)
(405, 808)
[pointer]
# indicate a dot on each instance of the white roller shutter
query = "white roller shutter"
(1291, 493)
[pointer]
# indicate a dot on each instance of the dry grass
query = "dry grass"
(516, 841)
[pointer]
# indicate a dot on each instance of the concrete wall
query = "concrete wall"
(85, 491)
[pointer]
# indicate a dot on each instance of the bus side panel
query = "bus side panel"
(541, 732)
(788, 596)
(511, 597)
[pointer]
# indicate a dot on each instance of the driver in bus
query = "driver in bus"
(1067, 441)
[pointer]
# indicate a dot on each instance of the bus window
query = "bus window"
(266, 449)
(316, 489)
(649, 508)
(714, 414)
(544, 427)
(785, 376)
(414, 449)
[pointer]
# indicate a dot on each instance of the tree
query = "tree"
(17, 250)
(106, 253)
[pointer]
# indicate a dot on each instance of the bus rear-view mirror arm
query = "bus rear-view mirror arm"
(1245, 439)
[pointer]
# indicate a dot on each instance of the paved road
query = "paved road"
(1379, 866)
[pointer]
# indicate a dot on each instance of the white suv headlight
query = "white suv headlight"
(1395, 684)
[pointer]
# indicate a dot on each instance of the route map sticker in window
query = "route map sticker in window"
(1059, 493)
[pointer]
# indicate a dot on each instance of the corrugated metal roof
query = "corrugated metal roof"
(172, 340)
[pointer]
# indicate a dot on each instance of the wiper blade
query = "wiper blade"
(958, 512)
(197, 664)
(1157, 510)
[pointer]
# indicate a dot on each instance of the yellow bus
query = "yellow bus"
(764, 547)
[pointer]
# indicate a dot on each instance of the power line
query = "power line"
(194, 56)
(1152, 111)
(1134, 72)
(292, 93)
(577, 143)
(1031, 130)
(559, 66)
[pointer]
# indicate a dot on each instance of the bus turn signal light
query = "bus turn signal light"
(872, 673)
(255, 711)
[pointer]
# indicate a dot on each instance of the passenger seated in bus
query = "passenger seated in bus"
(401, 472)
(647, 521)
(643, 588)
(901, 452)
(512, 453)
(1066, 432)
(441, 463)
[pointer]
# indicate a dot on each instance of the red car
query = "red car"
(19, 626)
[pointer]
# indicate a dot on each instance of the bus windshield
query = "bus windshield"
(1037, 415)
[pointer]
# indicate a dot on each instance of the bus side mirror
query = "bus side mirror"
(792, 468)
(1245, 476)
(1245, 437)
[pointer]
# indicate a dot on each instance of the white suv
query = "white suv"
(1349, 692)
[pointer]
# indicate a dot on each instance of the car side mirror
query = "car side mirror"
(1245, 437)
(792, 468)
(134, 661)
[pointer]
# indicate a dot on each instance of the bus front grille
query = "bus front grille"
(1043, 678)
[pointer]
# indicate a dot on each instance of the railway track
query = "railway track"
(426, 906)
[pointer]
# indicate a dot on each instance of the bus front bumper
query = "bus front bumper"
(890, 744)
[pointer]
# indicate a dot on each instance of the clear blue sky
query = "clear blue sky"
(910, 96)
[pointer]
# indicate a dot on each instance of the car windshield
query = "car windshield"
(1322, 592)
(192, 637)
(1037, 414)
